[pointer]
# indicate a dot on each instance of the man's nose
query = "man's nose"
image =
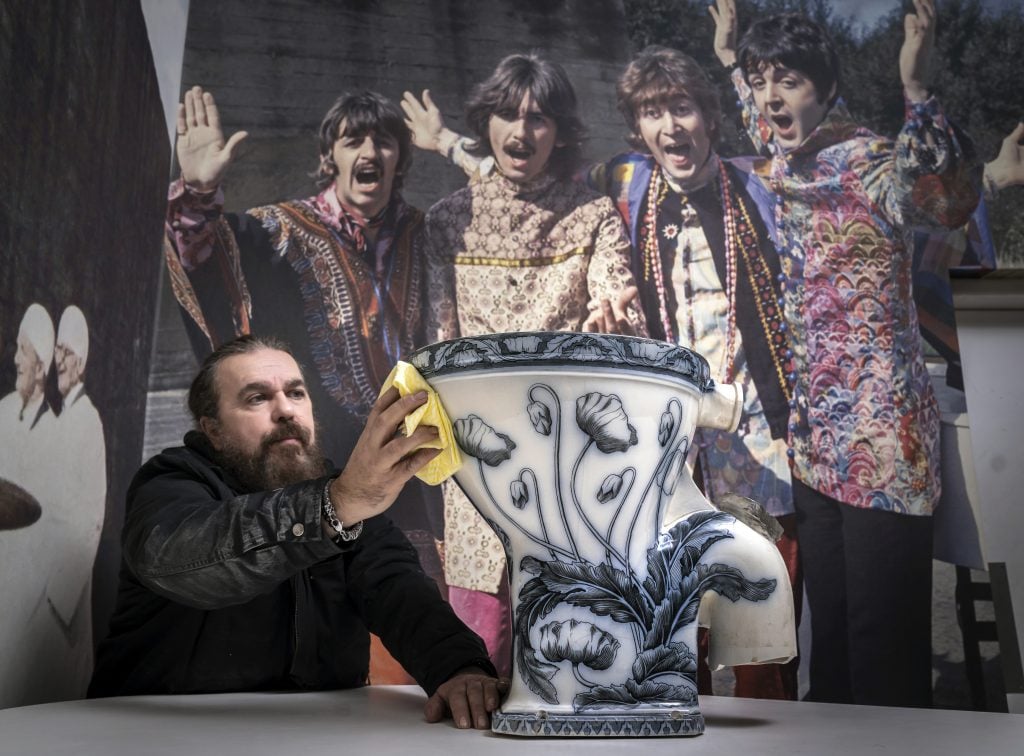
(771, 93)
(283, 408)
(369, 148)
(670, 122)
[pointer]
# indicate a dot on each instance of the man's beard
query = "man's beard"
(274, 466)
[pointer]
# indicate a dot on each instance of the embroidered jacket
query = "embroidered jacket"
(748, 462)
(303, 271)
(507, 257)
(864, 421)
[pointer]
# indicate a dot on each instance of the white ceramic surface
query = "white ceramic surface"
(575, 447)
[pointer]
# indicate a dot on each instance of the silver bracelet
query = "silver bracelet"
(331, 515)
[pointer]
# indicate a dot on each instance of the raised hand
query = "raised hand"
(1008, 167)
(382, 459)
(916, 53)
(203, 155)
(425, 121)
(724, 14)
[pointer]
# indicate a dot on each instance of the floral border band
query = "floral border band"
(544, 348)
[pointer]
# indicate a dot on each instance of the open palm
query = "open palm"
(203, 155)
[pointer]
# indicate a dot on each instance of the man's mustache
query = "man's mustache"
(287, 429)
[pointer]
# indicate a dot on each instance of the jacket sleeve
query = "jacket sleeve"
(400, 604)
(441, 308)
(929, 179)
(188, 537)
(609, 273)
(756, 125)
(203, 251)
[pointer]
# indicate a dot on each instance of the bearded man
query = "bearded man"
(248, 564)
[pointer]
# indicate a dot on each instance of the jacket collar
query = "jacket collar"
(837, 126)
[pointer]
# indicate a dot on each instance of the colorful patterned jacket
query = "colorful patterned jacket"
(864, 425)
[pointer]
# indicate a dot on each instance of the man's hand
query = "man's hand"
(382, 460)
(1008, 167)
(724, 14)
(612, 317)
(469, 698)
(426, 123)
(202, 153)
(916, 53)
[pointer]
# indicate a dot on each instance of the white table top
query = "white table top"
(389, 720)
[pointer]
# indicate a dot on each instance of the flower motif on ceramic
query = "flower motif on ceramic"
(478, 439)
(581, 643)
(665, 427)
(602, 418)
(528, 343)
(520, 493)
(466, 357)
(610, 488)
(540, 416)
(583, 349)
(649, 604)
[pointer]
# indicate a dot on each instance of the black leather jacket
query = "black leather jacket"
(223, 590)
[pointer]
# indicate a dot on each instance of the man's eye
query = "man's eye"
(682, 110)
(255, 399)
(651, 113)
(297, 394)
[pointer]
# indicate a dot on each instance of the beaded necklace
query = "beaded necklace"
(741, 249)
(741, 240)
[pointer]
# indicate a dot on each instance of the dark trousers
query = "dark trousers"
(868, 575)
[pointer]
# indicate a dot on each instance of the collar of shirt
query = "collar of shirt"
(489, 171)
(707, 175)
(330, 211)
(74, 393)
(837, 126)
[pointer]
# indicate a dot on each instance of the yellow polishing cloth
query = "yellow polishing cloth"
(408, 380)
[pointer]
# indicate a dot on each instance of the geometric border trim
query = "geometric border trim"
(543, 724)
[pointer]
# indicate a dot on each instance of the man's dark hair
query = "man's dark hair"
(503, 92)
(791, 40)
(203, 399)
(658, 75)
(363, 113)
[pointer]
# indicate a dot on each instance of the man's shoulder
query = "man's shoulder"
(189, 457)
(580, 197)
(460, 198)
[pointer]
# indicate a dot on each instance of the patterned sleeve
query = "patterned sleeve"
(456, 150)
(441, 310)
(757, 127)
(215, 296)
(609, 273)
(191, 221)
(928, 179)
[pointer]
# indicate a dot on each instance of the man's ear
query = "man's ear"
(211, 429)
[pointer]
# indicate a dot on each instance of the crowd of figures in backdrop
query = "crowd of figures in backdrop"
(792, 270)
